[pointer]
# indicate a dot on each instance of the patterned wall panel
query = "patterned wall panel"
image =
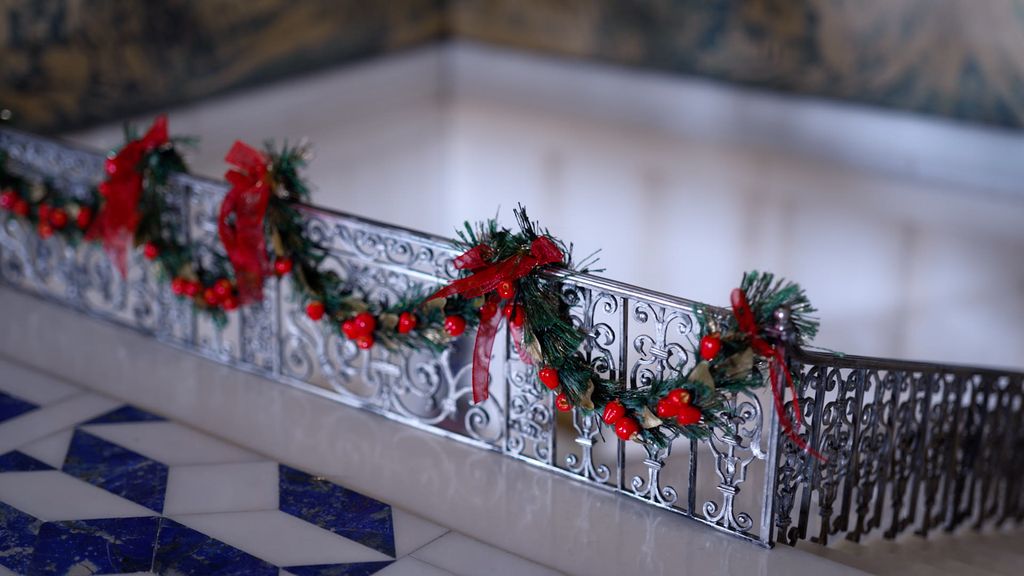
(67, 63)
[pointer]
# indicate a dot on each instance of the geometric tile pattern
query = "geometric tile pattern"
(15, 461)
(99, 546)
(125, 414)
(81, 538)
(182, 550)
(117, 470)
(340, 510)
(11, 407)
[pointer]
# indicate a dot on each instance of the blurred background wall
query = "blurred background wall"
(68, 63)
(871, 150)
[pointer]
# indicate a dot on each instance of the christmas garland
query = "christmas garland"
(263, 231)
(44, 208)
(521, 273)
(504, 275)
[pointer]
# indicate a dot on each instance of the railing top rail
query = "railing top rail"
(839, 360)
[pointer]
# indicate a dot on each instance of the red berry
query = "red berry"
(688, 414)
(679, 396)
(667, 408)
(514, 314)
(58, 218)
(454, 325)
(230, 303)
(365, 342)
(506, 289)
(210, 296)
(110, 166)
(549, 376)
(365, 324)
(348, 328)
(562, 402)
(150, 251)
(626, 427)
(709, 346)
(178, 286)
(84, 217)
(7, 199)
(20, 207)
(45, 230)
(488, 310)
(315, 310)
(43, 211)
(282, 266)
(406, 322)
(223, 288)
(613, 411)
(192, 288)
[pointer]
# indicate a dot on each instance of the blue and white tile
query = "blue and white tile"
(32, 386)
(18, 531)
(340, 510)
(15, 461)
(13, 406)
(98, 546)
(125, 414)
(117, 470)
(413, 532)
(52, 418)
(172, 443)
(52, 449)
(464, 556)
(52, 495)
(182, 550)
(281, 539)
(409, 566)
(352, 569)
(211, 488)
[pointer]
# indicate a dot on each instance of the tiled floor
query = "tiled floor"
(89, 485)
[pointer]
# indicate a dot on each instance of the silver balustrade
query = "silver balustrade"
(909, 446)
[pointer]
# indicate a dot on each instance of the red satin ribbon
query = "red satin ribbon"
(243, 238)
(484, 280)
(777, 369)
(118, 216)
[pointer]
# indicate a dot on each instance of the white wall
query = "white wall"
(906, 231)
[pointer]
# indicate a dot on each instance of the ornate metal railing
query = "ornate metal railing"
(909, 446)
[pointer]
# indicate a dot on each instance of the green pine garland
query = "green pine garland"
(652, 413)
(43, 207)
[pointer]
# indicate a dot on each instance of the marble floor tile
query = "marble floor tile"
(18, 531)
(117, 470)
(280, 538)
(413, 532)
(348, 569)
(16, 461)
(52, 418)
(182, 550)
(13, 406)
(51, 449)
(125, 414)
(33, 386)
(172, 443)
(340, 510)
(101, 546)
(208, 488)
(410, 566)
(464, 556)
(52, 495)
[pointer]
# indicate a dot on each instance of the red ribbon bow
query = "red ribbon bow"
(243, 237)
(485, 279)
(777, 369)
(119, 215)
